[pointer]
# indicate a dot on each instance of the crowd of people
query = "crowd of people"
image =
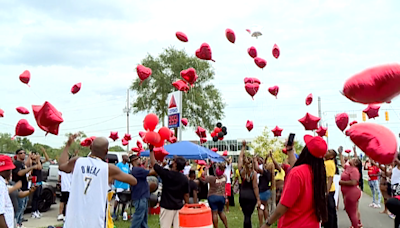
(300, 192)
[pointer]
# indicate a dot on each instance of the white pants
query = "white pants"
(169, 218)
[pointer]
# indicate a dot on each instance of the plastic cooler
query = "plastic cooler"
(195, 216)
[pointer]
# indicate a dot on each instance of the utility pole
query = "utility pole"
(319, 110)
(127, 110)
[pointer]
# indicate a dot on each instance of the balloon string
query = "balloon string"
(35, 93)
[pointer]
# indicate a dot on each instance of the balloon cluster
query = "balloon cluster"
(126, 139)
(219, 132)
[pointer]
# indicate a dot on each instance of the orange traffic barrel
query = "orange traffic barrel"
(195, 216)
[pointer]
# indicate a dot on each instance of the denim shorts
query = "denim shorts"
(264, 196)
(217, 203)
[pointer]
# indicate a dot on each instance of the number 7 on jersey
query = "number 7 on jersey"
(88, 180)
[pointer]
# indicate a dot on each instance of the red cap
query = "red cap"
(6, 163)
(316, 145)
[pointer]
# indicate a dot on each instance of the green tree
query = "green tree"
(76, 146)
(116, 148)
(202, 105)
(7, 145)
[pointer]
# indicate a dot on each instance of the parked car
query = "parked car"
(48, 198)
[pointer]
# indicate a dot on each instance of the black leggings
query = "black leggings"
(247, 206)
(35, 198)
(393, 205)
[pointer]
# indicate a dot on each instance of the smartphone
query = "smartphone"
(262, 207)
(291, 139)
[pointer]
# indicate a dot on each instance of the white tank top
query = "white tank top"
(87, 203)
(395, 176)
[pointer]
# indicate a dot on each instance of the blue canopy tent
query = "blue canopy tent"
(189, 150)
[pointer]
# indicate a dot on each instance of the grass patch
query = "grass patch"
(367, 190)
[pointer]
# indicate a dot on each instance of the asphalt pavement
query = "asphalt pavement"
(48, 218)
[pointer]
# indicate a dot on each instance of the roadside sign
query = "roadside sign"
(174, 102)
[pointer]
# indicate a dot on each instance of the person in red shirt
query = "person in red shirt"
(373, 182)
(304, 202)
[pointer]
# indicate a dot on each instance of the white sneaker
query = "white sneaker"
(371, 205)
(60, 217)
(40, 214)
(35, 215)
(377, 206)
(22, 226)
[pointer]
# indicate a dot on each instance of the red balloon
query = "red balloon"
(217, 130)
(252, 52)
(201, 162)
(252, 81)
(372, 111)
(321, 131)
(189, 75)
(251, 89)
(48, 118)
(204, 52)
(181, 36)
(143, 72)
(135, 149)
(260, 62)
(181, 85)
(309, 121)
(201, 132)
(225, 153)
(275, 51)
(172, 133)
(160, 143)
(184, 121)
(284, 150)
(87, 142)
(248, 30)
(142, 134)
(213, 134)
(220, 139)
(151, 121)
(25, 77)
(172, 139)
(352, 123)
(376, 141)
(22, 110)
(230, 35)
(342, 120)
(125, 142)
(164, 132)
(214, 149)
(374, 85)
(309, 99)
(152, 138)
(203, 140)
(1, 113)
(76, 88)
(274, 90)
(348, 151)
(114, 135)
(277, 131)
(127, 137)
(249, 125)
(23, 128)
(160, 153)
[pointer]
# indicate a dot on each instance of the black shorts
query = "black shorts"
(64, 197)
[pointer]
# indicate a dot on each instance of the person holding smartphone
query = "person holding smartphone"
(264, 186)
(303, 202)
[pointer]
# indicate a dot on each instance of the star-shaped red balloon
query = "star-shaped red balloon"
(114, 135)
(47, 117)
(372, 111)
(277, 131)
(309, 121)
(321, 131)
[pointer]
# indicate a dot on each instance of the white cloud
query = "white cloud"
(99, 44)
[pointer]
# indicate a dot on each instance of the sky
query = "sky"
(99, 43)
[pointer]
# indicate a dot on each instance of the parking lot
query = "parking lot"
(48, 218)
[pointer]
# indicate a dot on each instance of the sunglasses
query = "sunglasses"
(21, 153)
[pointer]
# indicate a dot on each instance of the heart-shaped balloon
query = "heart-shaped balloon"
(252, 89)
(309, 99)
(87, 142)
(184, 121)
(189, 75)
(252, 80)
(204, 52)
(22, 110)
(274, 90)
(230, 35)
(76, 88)
(252, 52)
(342, 120)
(275, 51)
(249, 125)
(203, 140)
(321, 131)
(181, 36)
(260, 62)
(214, 149)
(125, 142)
(201, 132)
(23, 128)
(142, 134)
(353, 122)
(136, 149)
(348, 151)
(172, 139)
(1, 113)
(25, 77)
(181, 85)
(143, 72)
